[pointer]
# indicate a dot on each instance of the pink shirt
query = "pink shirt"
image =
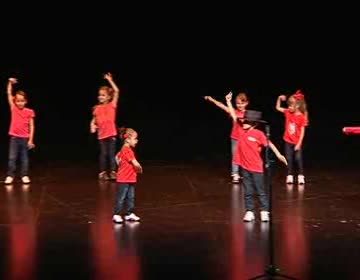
(248, 154)
(105, 120)
(236, 126)
(20, 122)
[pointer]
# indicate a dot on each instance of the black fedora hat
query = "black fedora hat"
(253, 116)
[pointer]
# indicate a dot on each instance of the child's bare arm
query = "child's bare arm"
(11, 81)
(110, 79)
(230, 106)
(278, 103)
(217, 103)
(277, 153)
(93, 125)
(299, 143)
(137, 166)
(32, 132)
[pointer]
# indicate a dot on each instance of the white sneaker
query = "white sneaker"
(289, 179)
(301, 179)
(117, 219)
(132, 217)
(25, 179)
(235, 178)
(9, 180)
(249, 216)
(265, 217)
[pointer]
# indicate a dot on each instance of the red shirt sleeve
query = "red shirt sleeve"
(262, 139)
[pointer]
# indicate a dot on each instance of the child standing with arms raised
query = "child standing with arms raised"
(104, 123)
(21, 133)
(241, 103)
(296, 119)
(248, 155)
(126, 176)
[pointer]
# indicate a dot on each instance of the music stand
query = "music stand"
(271, 271)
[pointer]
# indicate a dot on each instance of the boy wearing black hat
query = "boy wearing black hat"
(248, 156)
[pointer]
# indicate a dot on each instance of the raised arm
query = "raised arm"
(217, 103)
(110, 79)
(277, 153)
(278, 103)
(230, 107)
(11, 81)
(32, 132)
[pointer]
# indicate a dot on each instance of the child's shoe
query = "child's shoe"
(103, 175)
(113, 175)
(117, 219)
(235, 178)
(132, 217)
(249, 216)
(289, 179)
(265, 216)
(25, 179)
(9, 180)
(301, 179)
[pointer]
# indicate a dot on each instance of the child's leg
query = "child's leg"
(249, 189)
(130, 199)
(24, 156)
(102, 156)
(234, 167)
(289, 154)
(121, 196)
(112, 153)
(260, 189)
(13, 152)
(299, 162)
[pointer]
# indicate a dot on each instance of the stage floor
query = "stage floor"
(59, 226)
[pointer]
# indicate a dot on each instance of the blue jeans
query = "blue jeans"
(18, 147)
(107, 154)
(125, 194)
(254, 181)
(234, 167)
(290, 155)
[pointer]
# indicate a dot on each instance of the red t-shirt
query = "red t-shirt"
(293, 124)
(126, 171)
(105, 120)
(236, 125)
(20, 122)
(248, 155)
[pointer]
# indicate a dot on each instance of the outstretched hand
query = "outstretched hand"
(13, 80)
(228, 97)
(283, 159)
(108, 76)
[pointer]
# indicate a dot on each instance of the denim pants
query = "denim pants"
(125, 194)
(234, 167)
(254, 181)
(292, 155)
(107, 154)
(18, 148)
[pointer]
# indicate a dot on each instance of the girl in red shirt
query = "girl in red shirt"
(241, 103)
(21, 133)
(126, 176)
(296, 119)
(104, 123)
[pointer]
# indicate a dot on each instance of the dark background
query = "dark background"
(165, 58)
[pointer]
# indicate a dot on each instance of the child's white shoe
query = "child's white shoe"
(9, 180)
(289, 179)
(301, 179)
(265, 216)
(249, 216)
(132, 217)
(117, 219)
(25, 179)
